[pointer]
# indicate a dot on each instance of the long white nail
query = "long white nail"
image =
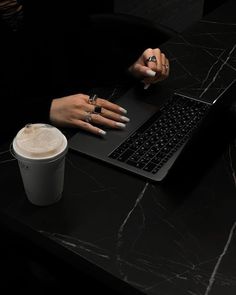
(102, 132)
(121, 125)
(151, 73)
(125, 119)
(146, 86)
(123, 110)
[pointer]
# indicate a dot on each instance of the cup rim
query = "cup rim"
(38, 160)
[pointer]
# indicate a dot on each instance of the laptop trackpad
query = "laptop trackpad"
(99, 147)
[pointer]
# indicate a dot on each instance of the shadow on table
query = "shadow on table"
(200, 157)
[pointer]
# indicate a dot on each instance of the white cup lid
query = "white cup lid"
(39, 141)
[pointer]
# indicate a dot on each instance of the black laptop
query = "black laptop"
(156, 135)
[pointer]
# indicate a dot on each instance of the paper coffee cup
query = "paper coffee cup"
(40, 150)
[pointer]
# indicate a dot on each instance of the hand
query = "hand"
(151, 71)
(78, 111)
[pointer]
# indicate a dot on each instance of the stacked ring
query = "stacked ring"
(97, 110)
(152, 59)
(92, 99)
(88, 117)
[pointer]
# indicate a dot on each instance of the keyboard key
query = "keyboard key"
(149, 167)
(125, 155)
(152, 145)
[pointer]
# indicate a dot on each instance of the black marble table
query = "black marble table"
(135, 236)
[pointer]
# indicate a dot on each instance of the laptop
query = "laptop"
(158, 133)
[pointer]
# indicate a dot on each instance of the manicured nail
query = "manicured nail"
(151, 73)
(123, 110)
(125, 119)
(102, 132)
(146, 86)
(121, 125)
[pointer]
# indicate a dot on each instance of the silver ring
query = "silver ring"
(92, 99)
(88, 117)
(152, 59)
(97, 110)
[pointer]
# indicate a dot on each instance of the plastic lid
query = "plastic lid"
(39, 141)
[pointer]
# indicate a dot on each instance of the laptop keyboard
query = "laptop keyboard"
(153, 144)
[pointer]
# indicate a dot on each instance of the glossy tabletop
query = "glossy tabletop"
(176, 237)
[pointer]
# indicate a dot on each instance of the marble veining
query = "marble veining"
(156, 237)
(231, 162)
(212, 44)
(78, 245)
(120, 236)
(157, 269)
(215, 270)
(217, 73)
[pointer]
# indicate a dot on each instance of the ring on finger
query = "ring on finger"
(92, 99)
(151, 59)
(88, 117)
(97, 110)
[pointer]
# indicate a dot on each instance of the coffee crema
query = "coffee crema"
(39, 141)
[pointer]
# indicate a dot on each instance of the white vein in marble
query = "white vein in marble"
(215, 270)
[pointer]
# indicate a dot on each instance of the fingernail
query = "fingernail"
(123, 110)
(125, 119)
(102, 132)
(151, 73)
(121, 125)
(146, 86)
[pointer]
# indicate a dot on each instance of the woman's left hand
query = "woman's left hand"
(152, 66)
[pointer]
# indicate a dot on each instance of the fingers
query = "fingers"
(89, 127)
(110, 123)
(107, 110)
(110, 115)
(111, 106)
(153, 66)
(90, 119)
(163, 72)
(78, 111)
(165, 66)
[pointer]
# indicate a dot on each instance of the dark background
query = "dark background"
(175, 14)
(34, 272)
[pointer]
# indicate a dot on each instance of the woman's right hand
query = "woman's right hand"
(78, 111)
(151, 67)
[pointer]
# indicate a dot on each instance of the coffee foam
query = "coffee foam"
(39, 141)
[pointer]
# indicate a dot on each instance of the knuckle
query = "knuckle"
(83, 125)
(95, 116)
(79, 104)
(101, 101)
(136, 67)
(148, 50)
